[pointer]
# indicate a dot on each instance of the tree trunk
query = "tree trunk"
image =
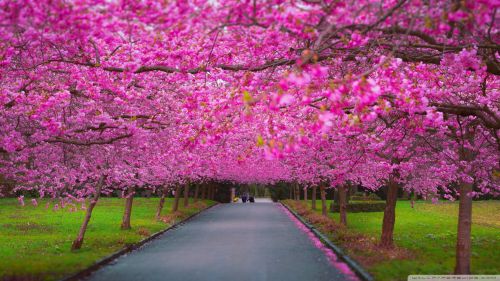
(406, 195)
(462, 265)
(209, 192)
(203, 191)
(186, 195)
(162, 202)
(291, 195)
(343, 204)
(324, 210)
(313, 201)
(128, 208)
(77, 244)
(386, 240)
(305, 194)
(196, 192)
(177, 197)
(214, 188)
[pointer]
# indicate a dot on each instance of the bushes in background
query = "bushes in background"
(361, 206)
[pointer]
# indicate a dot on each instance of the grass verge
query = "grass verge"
(425, 236)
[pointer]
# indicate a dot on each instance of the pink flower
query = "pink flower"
(457, 16)
(325, 119)
(20, 199)
(286, 100)
(357, 40)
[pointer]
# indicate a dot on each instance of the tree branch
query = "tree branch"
(88, 143)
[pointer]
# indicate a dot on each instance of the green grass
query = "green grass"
(429, 232)
(35, 242)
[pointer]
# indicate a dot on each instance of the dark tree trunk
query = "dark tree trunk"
(313, 201)
(162, 202)
(386, 240)
(291, 194)
(203, 191)
(343, 204)
(177, 197)
(305, 194)
(214, 190)
(463, 254)
(128, 208)
(196, 192)
(324, 209)
(211, 192)
(77, 244)
(186, 195)
(407, 195)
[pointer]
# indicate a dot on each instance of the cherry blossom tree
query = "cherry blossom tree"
(102, 97)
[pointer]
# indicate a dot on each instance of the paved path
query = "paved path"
(228, 242)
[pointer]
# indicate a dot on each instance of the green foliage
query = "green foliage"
(280, 191)
(361, 196)
(35, 242)
(361, 206)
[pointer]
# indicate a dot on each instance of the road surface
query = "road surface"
(257, 242)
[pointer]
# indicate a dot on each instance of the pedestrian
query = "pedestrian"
(245, 197)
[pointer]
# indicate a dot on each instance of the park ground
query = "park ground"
(425, 236)
(35, 242)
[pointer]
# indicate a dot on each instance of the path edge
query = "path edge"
(355, 266)
(127, 249)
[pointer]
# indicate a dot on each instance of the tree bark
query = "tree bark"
(386, 240)
(177, 197)
(196, 192)
(186, 194)
(407, 195)
(162, 202)
(305, 194)
(463, 251)
(324, 209)
(214, 188)
(128, 208)
(203, 191)
(77, 244)
(211, 192)
(343, 204)
(313, 201)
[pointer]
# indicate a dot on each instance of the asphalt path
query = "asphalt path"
(240, 242)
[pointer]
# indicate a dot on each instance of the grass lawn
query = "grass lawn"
(35, 242)
(428, 233)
